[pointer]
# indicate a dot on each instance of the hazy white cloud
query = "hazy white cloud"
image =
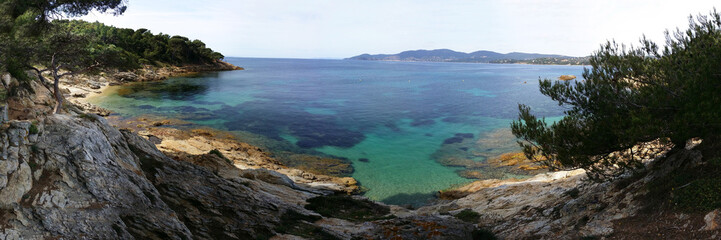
(338, 29)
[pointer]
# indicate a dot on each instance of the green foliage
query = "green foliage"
(33, 37)
(23, 23)
(34, 149)
(631, 95)
(136, 47)
(700, 194)
(33, 129)
(483, 234)
(216, 152)
(88, 117)
(715, 162)
(345, 207)
(468, 215)
(693, 190)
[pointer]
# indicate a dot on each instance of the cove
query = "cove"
(405, 126)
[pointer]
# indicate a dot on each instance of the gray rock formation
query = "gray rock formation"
(81, 177)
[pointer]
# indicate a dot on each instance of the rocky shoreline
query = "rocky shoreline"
(74, 174)
(80, 87)
(186, 143)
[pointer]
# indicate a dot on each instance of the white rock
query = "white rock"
(712, 220)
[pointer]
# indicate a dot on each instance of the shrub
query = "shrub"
(345, 207)
(691, 190)
(698, 195)
(483, 234)
(33, 129)
(217, 152)
(468, 215)
(88, 117)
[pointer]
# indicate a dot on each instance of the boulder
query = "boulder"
(712, 220)
(125, 77)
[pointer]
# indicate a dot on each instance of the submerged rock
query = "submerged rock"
(453, 140)
(464, 135)
(422, 122)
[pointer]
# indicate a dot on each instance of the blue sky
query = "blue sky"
(345, 28)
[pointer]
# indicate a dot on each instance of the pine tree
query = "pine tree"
(631, 95)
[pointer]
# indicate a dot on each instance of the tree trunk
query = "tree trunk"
(58, 94)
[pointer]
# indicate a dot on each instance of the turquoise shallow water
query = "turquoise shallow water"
(397, 117)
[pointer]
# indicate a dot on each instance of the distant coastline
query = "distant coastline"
(447, 55)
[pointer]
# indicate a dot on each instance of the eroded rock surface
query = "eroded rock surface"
(81, 177)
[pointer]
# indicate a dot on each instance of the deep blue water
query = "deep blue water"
(395, 116)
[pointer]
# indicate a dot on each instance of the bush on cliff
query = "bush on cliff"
(631, 95)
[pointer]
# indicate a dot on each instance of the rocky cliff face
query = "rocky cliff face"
(80, 177)
(30, 102)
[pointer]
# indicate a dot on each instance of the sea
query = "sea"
(409, 129)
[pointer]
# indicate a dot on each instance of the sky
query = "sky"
(345, 28)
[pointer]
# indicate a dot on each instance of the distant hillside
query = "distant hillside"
(549, 61)
(447, 55)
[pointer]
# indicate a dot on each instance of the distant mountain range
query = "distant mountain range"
(447, 55)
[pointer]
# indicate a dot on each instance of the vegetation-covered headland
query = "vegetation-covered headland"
(37, 42)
